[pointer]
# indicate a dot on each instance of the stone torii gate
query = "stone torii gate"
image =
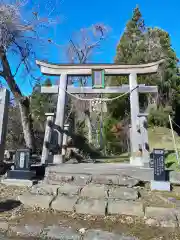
(139, 136)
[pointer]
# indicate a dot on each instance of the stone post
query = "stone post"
(4, 103)
(60, 112)
(144, 138)
(135, 159)
(47, 138)
(65, 138)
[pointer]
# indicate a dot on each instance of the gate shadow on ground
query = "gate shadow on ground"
(4, 167)
(8, 205)
(81, 143)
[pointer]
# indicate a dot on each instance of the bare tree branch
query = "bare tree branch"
(79, 51)
(15, 36)
(2, 74)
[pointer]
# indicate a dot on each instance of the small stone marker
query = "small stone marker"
(159, 183)
(22, 159)
(22, 166)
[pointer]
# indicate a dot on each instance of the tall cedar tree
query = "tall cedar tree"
(140, 44)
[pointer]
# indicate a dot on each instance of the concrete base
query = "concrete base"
(58, 159)
(136, 161)
(17, 182)
(160, 186)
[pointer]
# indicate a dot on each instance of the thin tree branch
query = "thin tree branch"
(23, 60)
(2, 74)
(8, 76)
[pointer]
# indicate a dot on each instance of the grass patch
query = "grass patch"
(161, 137)
(124, 157)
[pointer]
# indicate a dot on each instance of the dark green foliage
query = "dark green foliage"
(140, 44)
(40, 104)
(115, 139)
(160, 117)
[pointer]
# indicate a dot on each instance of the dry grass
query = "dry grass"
(160, 137)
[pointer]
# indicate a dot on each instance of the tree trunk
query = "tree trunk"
(24, 102)
(27, 124)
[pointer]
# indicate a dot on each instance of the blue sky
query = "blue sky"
(77, 14)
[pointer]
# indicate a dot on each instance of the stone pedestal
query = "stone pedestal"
(22, 166)
(160, 186)
(21, 174)
(136, 161)
(58, 159)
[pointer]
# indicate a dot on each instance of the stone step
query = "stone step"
(31, 201)
(58, 178)
(94, 191)
(108, 172)
(83, 179)
(80, 205)
(104, 206)
(44, 189)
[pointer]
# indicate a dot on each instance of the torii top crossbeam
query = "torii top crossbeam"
(86, 69)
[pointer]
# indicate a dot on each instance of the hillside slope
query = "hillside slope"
(160, 137)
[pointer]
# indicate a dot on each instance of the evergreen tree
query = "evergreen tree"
(128, 49)
(40, 104)
(139, 45)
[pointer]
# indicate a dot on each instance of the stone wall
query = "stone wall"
(99, 195)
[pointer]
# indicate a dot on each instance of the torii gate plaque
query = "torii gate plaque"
(65, 70)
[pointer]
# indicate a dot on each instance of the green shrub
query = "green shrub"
(172, 162)
(160, 117)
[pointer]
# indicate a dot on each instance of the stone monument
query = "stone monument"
(160, 182)
(4, 104)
